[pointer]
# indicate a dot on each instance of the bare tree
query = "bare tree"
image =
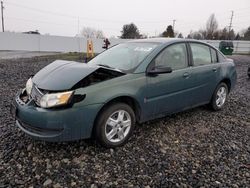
(223, 34)
(89, 32)
(99, 34)
(247, 34)
(180, 35)
(195, 35)
(231, 35)
(211, 26)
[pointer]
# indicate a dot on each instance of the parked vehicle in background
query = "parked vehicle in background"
(131, 82)
(226, 47)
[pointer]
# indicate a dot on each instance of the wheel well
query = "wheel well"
(228, 82)
(123, 99)
(129, 101)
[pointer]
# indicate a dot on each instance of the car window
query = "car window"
(214, 55)
(125, 56)
(201, 54)
(174, 56)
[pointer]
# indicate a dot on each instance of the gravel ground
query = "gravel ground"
(189, 149)
(23, 54)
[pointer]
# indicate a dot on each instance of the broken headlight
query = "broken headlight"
(29, 86)
(56, 99)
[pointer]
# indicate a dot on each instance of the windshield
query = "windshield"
(125, 57)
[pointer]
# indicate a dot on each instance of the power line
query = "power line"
(76, 17)
(40, 10)
(245, 8)
(39, 21)
(102, 20)
(181, 23)
(53, 23)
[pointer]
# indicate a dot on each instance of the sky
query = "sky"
(67, 18)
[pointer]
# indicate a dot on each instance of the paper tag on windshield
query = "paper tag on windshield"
(143, 49)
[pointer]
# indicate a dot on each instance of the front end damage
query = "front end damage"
(59, 121)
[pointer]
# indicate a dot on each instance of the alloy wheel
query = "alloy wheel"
(221, 96)
(117, 126)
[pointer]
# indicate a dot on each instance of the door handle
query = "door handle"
(186, 75)
(214, 69)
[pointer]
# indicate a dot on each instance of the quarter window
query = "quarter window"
(201, 54)
(174, 56)
(214, 55)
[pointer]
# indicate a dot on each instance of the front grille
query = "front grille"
(39, 130)
(36, 94)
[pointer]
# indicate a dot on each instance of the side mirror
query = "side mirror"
(159, 70)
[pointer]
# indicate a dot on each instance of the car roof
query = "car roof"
(156, 40)
(164, 40)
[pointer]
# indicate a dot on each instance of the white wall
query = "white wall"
(45, 43)
(239, 46)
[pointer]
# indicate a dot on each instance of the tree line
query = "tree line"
(211, 32)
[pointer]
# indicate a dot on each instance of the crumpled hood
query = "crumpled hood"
(62, 75)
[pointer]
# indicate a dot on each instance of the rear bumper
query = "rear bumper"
(55, 125)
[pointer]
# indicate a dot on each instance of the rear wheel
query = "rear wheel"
(219, 97)
(115, 125)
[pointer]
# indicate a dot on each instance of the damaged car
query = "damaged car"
(130, 83)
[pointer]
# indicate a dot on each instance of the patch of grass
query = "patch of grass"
(71, 56)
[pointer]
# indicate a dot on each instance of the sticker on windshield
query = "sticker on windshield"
(143, 49)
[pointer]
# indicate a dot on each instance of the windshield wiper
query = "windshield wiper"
(107, 66)
(104, 65)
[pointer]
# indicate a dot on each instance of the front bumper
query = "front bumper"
(55, 125)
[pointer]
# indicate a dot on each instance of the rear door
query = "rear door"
(205, 72)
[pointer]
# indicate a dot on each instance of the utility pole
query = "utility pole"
(173, 24)
(230, 24)
(78, 34)
(2, 7)
(78, 26)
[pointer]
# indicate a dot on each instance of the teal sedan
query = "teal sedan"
(130, 83)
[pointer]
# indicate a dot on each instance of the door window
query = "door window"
(201, 54)
(174, 56)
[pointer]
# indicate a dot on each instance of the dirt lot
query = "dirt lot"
(22, 54)
(190, 149)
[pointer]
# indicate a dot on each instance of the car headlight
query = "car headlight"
(29, 85)
(56, 99)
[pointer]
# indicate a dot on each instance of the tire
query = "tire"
(215, 103)
(248, 72)
(111, 130)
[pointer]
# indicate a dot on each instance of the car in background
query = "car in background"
(226, 47)
(130, 83)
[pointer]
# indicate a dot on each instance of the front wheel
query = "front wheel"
(219, 97)
(114, 125)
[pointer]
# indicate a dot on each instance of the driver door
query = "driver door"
(169, 92)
